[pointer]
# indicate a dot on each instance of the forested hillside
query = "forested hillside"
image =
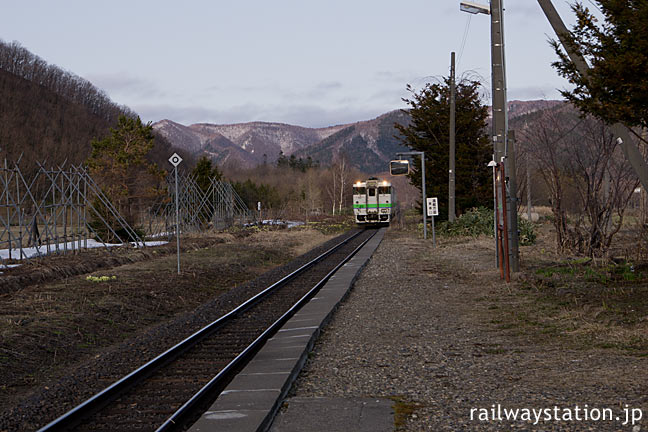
(48, 114)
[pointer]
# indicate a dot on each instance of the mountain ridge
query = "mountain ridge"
(369, 144)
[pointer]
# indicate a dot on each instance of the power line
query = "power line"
(465, 37)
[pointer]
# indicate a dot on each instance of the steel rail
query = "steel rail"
(225, 375)
(82, 411)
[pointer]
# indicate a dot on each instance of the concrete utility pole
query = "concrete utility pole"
(631, 151)
(500, 124)
(451, 170)
(499, 132)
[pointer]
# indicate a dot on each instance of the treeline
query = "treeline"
(293, 162)
(296, 188)
(19, 61)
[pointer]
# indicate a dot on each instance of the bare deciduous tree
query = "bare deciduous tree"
(580, 159)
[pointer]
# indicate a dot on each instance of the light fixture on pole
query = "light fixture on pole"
(474, 8)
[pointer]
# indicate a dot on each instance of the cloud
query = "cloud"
(120, 83)
(329, 85)
(297, 114)
(546, 91)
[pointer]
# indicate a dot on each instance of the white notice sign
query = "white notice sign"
(175, 159)
(432, 207)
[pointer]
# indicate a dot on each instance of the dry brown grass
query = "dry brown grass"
(583, 303)
(47, 327)
(299, 241)
(554, 298)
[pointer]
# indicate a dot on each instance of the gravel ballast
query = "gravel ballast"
(417, 329)
(86, 379)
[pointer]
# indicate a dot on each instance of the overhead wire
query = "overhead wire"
(463, 41)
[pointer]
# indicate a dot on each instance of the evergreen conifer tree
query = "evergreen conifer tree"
(428, 131)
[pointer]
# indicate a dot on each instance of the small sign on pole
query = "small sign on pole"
(432, 207)
(175, 160)
(432, 210)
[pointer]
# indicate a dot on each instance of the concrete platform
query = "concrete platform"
(335, 415)
(254, 396)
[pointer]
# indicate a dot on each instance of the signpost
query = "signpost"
(432, 210)
(175, 160)
(399, 168)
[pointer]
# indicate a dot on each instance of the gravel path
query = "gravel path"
(422, 318)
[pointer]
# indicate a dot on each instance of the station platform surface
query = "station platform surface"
(335, 415)
(253, 398)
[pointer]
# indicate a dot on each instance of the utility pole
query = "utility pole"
(502, 151)
(500, 123)
(631, 151)
(451, 170)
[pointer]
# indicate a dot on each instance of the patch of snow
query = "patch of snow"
(31, 252)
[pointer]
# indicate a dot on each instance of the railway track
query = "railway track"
(165, 392)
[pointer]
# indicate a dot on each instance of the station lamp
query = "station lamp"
(474, 8)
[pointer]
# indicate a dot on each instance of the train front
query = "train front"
(372, 202)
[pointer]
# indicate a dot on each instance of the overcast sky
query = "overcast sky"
(300, 62)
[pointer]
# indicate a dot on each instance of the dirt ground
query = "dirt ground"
(448, 336)
(561, 316)
(58, 312)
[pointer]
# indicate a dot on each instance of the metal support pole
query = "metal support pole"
(177, 218)
(504, 244)
(424, 194)
(493, 164)
(528, 186)
(451, 168)
(514, 249)
(433, 233)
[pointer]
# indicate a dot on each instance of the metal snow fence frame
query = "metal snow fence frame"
(218, 206)
(55, 199)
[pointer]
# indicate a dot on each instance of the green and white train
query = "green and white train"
(373, 202)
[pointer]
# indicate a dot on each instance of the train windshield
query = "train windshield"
(372, 191)
(360, 190)
(382, 190)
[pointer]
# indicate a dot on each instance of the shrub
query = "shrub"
(473, 223)
(527, 234)
(479, 221)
